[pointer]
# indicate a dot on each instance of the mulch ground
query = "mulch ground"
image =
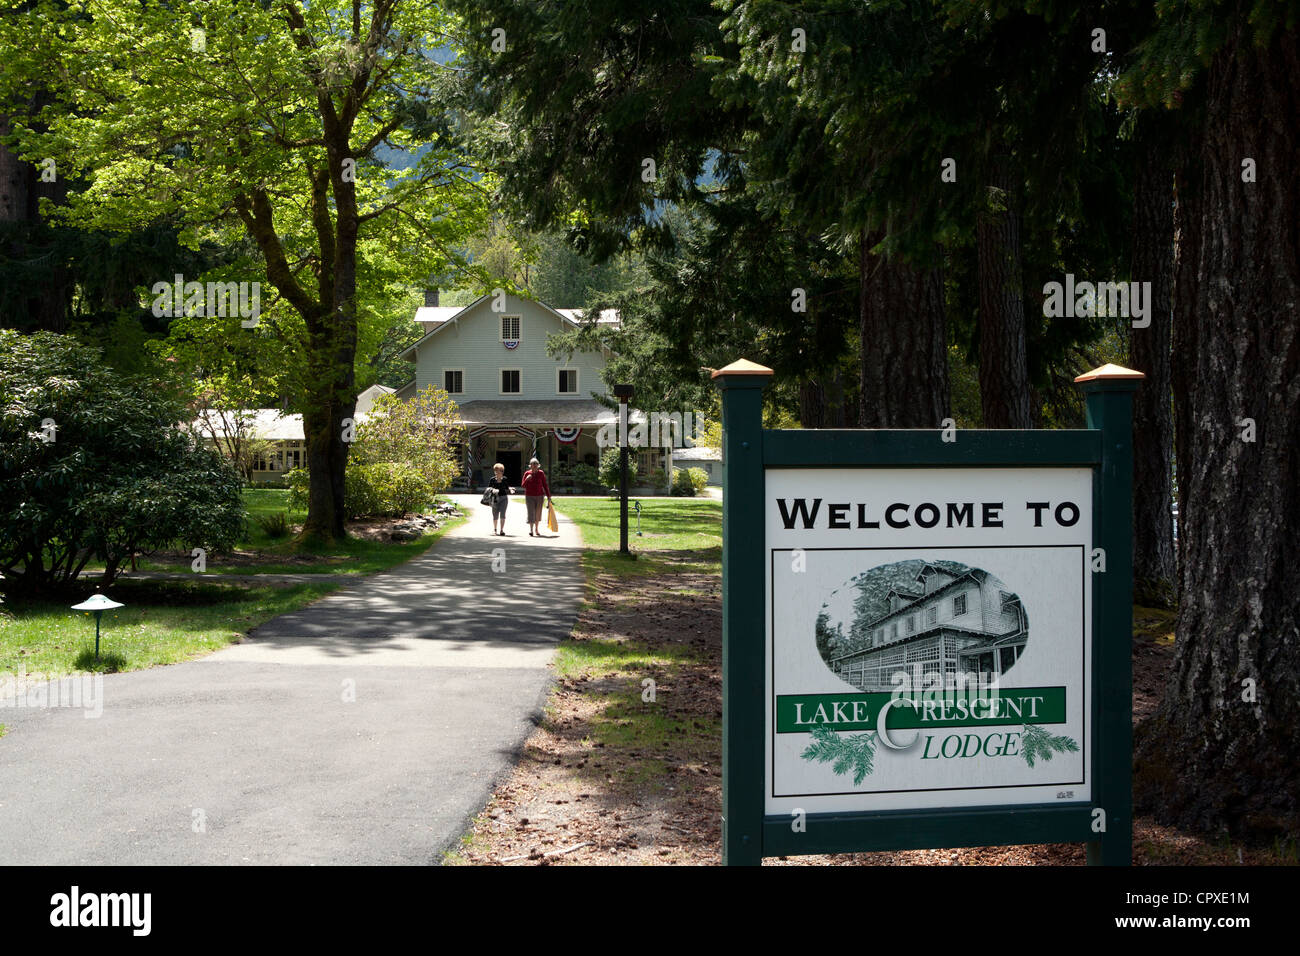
(578, 797)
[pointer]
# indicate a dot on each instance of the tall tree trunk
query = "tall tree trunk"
(46, 302)
(1153, 426)
(1222, 750)
(904, 348)
(821, 401)
(1004, 368)
(15, 180)
(813, 410)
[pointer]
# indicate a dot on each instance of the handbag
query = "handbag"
(551, 521)
(489, 496)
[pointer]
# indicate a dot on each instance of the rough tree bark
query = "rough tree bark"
(1222, 751)
(47, 302)
(1153, 426)
(1004, 368)
(904, 348)
(821, 402)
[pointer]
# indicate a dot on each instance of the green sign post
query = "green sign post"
(940, 655)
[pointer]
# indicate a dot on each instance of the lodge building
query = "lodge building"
(949, 623)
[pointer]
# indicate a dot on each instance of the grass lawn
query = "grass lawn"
(166, 621)
(163, 622)
(355, 556)
(679, 534)
(682, 535)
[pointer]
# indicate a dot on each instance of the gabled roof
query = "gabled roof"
(444, 315)
(562, 411)
(437, 313)
(366, 400)
(974, 574)
(697, 453)
(273, 424)
(266, 424)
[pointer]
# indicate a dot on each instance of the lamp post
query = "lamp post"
(99, 604)
(624, 394)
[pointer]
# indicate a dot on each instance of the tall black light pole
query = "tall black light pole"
(624, 395)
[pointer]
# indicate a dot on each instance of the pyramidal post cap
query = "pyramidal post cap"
(96, 602)
(742, 367)
(1109, 371)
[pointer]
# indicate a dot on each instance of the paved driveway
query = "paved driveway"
(366, 728)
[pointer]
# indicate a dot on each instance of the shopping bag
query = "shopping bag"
(551, 521)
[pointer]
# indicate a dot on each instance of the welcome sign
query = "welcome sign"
(928, 638)
(926, 633)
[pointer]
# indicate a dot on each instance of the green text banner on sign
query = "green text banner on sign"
(967, 707)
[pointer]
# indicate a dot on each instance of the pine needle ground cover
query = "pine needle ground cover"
(611, 777)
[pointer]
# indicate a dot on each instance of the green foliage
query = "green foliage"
(689, 482)
(1183, 39)
(1037, 743)
(710, 433)
(609, 472)
(392, 488)
(586, 476)
(274, 525)
(420, 433)
(327, 145)
(117, 477)
(659, 479)
(378, 489)
(854, 752)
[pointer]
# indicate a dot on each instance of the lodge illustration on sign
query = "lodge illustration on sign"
(928, 617)
(901, 669)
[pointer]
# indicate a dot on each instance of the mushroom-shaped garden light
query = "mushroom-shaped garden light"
(99, 604)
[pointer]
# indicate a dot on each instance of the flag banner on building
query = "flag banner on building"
(567, 434)
(510, 343)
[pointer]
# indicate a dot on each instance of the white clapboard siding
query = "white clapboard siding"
(472, 342)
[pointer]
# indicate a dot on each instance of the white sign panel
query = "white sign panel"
(928, 638)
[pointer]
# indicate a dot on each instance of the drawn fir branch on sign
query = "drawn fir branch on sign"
(848, 753)
(1037, 742)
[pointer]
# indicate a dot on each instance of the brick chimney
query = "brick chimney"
(430, 296)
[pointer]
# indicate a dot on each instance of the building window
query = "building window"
(911, 624)
(510, 328)
(932, 614)
(510, 381)
(453, 381)
(293, 458)
(568, 381)
(959, 605)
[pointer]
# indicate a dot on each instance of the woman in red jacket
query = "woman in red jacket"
(536, 489)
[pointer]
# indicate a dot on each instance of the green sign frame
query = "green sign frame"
(748, 834)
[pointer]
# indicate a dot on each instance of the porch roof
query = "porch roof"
(578, 411)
